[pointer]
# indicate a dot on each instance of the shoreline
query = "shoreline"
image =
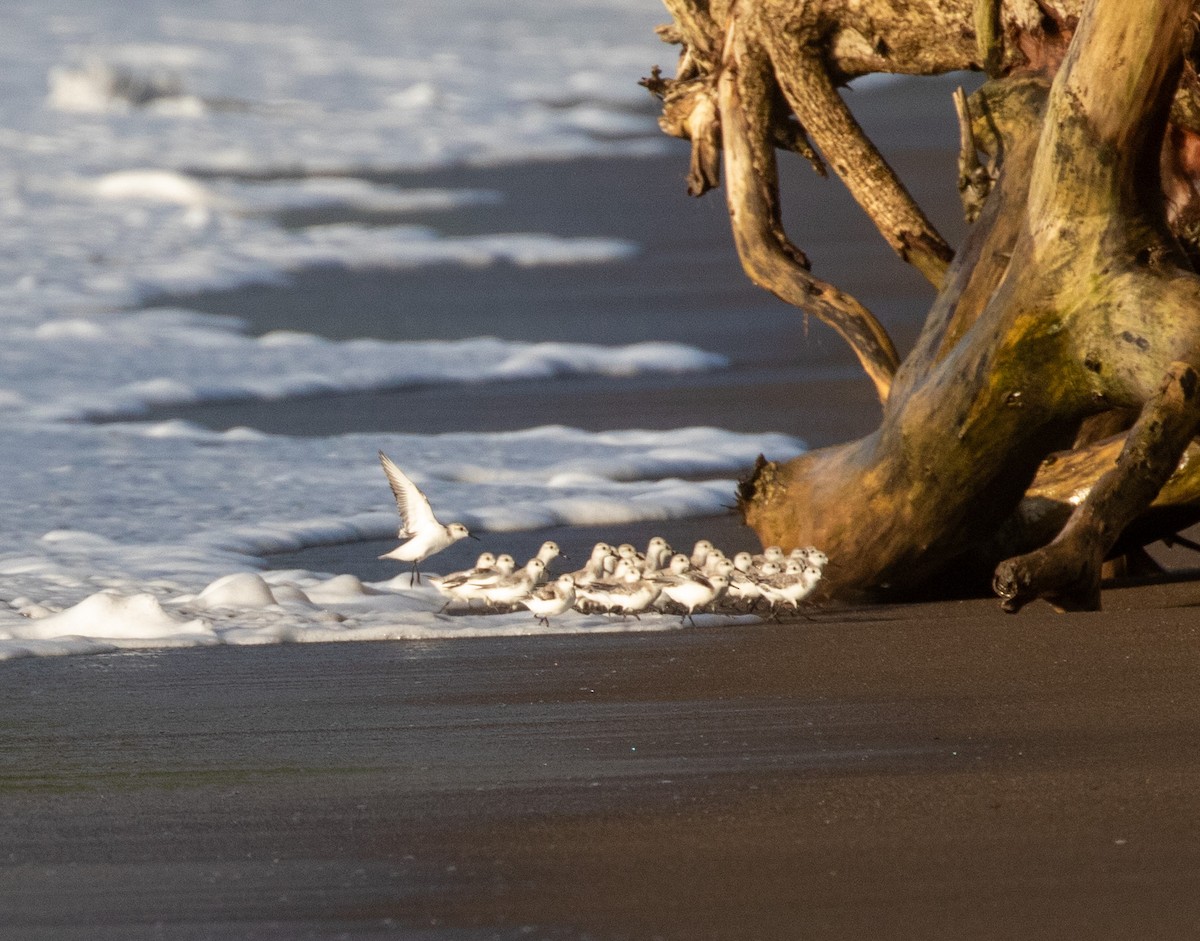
(918, 770)
(787, 373)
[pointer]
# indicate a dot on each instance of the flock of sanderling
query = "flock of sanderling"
(615, 580)
(624, 581)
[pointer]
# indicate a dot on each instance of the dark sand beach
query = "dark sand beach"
(932, 771)
(912, 771)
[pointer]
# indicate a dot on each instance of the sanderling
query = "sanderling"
(714, 561)
(424, 534)
(503, 566)
(452, 584)
(514, 588)
(594, 568)
(676, 570)
(485, 564)
(694, 591)
(476, 585)
(551, 599)
(772, 554)
(743, 583)
(622, 597)
(811, 555)
(700, 552)
(791, 586)
(658, 554)
(549, 551)
(624, 581)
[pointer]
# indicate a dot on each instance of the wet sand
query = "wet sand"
(918, 771)
(931, 771)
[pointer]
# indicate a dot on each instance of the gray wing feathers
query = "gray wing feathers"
(415, 511)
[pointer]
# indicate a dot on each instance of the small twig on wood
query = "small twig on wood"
(974, 180)
(988, 37)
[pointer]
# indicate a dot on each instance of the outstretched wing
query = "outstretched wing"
(416, 514)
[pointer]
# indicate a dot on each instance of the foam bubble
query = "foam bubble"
(114, 617)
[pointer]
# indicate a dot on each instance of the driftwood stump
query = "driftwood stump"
(1043, 420)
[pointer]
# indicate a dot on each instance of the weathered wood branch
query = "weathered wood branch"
(1110, 123)
(1053, 311)
(805, 81)
(1056, 320)
(989, 43)
(766, 253)
(1067, 571)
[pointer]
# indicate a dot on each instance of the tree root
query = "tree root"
(805, 81)
(1058, 316)
(1067, 572)
(766, 253)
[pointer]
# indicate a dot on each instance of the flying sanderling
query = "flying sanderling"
(424, 535)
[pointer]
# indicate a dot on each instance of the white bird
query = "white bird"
(700, 552)
(792, 586)
(477, 583)
(658, 554)
(696, 591)
(552, 599)
(811, 555)
(623, 597)
(772, 554)
(675, 572)
(743, 562)
(594, 568)
(743, 590)
(549, 552)
(743, 583)
(505, 564)
(503, 567)
(424, 535)
(484, 565)
(453, 584)
(625, 552)
(515, 588)
(714, 562)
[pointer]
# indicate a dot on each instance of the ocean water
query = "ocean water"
(156, 148)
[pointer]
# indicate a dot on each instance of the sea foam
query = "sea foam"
(158, 147)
